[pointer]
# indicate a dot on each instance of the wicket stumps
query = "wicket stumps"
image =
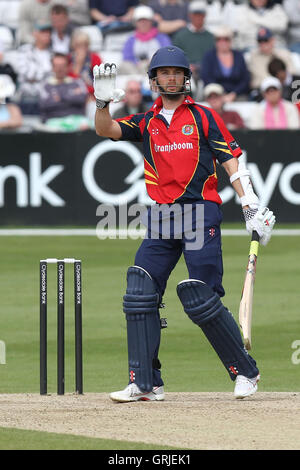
(61, 324)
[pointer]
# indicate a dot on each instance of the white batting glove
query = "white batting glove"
(105, 85)
(262, 221)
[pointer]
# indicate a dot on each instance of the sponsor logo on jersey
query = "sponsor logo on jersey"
(234, 145)
(173, 146)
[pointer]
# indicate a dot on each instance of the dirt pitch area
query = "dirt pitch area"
(183, 420)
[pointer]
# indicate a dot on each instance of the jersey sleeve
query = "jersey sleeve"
(131, 127)
(220, 140)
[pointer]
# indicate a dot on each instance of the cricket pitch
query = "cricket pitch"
(200, 421)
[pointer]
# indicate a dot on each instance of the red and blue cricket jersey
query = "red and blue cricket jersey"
(180, 158)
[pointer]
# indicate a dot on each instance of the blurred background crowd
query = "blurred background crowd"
(244, 55)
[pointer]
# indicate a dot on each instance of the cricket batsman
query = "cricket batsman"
(182, 141)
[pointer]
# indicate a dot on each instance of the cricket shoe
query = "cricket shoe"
(245, 387)
(133, 393)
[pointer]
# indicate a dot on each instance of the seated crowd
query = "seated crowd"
(244, 56)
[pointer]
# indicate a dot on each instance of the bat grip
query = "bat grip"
(255, 236)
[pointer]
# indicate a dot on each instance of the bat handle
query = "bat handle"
(255, 236)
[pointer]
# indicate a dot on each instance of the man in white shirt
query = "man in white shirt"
(259, 59)
(30, 13)
(34, 66)
(61, 29)
(251, 15)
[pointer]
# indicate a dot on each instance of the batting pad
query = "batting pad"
(205, 309)
(140, 304)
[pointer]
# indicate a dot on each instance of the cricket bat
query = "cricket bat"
(245, 311)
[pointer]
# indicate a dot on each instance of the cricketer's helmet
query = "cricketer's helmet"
(170, 56)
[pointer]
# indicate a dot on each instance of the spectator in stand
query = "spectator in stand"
(220, 12)
(133, 101)
(292, 9)
(140, 47)
(61, 29)
(10, 113)
(113, 15)
(215, 15)
(32, 12)
(259, 59)
(277, 68)
(194, 39)
(274, 112)
(6, 37)
(226, 66)
(9, 14)
(79, 12)
(63, 98)
(34, 66)
(82, 60)
(6, 68)
(170, 15)
(254, 14)
(214, 94)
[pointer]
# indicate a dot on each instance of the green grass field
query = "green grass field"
(184, 349)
